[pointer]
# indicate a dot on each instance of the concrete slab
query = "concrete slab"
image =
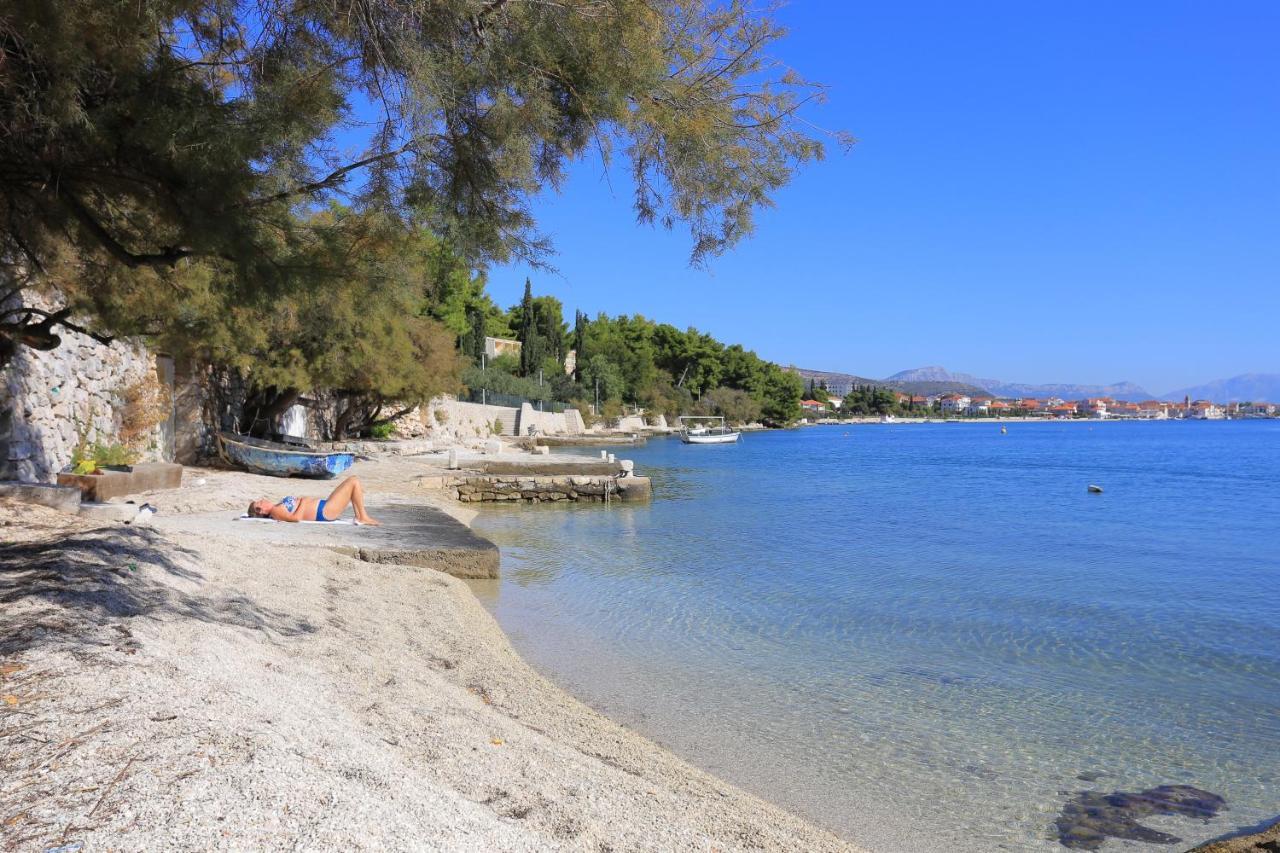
(540, 466)
(143, 477)
(410, 534)
(64, 498)
(109, 511)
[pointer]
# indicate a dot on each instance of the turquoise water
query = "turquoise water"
(930, 637)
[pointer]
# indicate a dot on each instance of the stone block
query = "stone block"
(635, 489)
(58, 497)
(109, 512)
(145, 477)
(154, 476)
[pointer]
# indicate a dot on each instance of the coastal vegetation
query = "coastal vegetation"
(306, 197)
(632, 361)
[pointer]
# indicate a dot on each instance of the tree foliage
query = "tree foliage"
(871, 400)
(139, 139)
(633, 360)
(360, 333)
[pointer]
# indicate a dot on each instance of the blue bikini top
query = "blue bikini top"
(289, 502)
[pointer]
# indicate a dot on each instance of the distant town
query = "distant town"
(821, 403)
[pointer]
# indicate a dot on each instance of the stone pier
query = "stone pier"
(472, 488)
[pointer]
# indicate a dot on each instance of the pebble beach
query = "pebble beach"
(164, 689)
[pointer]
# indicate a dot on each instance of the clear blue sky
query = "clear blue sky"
(1041, 192)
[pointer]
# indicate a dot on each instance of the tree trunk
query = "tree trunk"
(265, 406)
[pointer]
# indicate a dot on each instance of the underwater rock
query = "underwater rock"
(1092, 816)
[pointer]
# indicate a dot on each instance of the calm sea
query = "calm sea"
(930, 637)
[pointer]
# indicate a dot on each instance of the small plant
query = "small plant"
(82, 453)
(144, 405)
(589, 417)
(441, 416)
(496, 426)
(611, 411)
(381, 431)
(92, 458)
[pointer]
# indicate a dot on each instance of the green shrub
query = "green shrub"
(89, 458)
(381, 431)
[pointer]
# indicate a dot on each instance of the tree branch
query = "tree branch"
(169, 256)
(40, 335)
(327, 181)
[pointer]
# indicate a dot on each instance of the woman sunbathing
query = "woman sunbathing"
(349, 492)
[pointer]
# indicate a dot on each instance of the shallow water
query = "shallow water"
(923, 636)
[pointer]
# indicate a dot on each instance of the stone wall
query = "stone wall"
(447, 422)
(631, 423)
(568, 422)
(47, 399)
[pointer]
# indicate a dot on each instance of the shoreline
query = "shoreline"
(179, 688)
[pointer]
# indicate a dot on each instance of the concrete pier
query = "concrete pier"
(473, 488)
(410, 535)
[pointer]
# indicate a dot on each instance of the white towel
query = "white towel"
(273, 521)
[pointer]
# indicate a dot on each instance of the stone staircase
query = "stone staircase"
(510, 419)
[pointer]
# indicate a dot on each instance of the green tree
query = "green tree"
(780, 396)
(367, 342)
(144, 137)
(602, 377)
(549, 319)
(473, 341)
(530, 338)
(579, 342)
(734, 405)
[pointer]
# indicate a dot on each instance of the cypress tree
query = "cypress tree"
(530, 340)
(475, 347)
(579, 343)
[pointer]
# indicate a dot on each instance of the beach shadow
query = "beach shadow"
(58, 591)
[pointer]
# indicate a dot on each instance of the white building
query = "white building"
(1204, 410)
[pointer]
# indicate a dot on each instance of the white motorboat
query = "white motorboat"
(708, 429)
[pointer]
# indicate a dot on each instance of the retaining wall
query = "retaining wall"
(48, 398)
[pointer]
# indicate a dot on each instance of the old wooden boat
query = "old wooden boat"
(281, 460)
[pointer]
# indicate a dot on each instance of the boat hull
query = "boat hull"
(261, 457)
(710, 438)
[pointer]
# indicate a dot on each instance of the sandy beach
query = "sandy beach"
(166, 689)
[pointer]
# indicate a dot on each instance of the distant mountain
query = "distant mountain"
(1118, 390)
(941, 374)
(833, 379)
(1245, 388)
(929, 387)
(999, 388)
